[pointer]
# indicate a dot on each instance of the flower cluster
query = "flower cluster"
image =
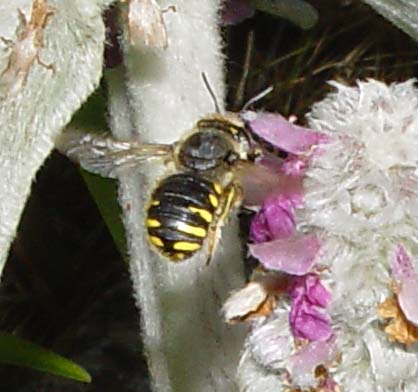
(337, 294)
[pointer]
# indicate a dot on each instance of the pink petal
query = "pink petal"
(309, 322)
(405, 276)
(259, 230)
(311, 287)
(276, 130)
(294, 166)
(260, 182)
(402, 268)
(328, 385)
(307, 316)
(236, 11)
(295, 255)
(302, 365)
(274, 220)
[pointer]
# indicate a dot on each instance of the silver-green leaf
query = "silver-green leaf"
(50, 61)
(402, 13)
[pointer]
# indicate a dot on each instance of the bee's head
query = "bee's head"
(204, 150)
(217, 140)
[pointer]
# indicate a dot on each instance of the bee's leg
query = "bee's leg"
(232, 196)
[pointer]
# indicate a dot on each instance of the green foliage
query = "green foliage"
(16, 351)
(298, 12)
(91, 115)
(104, 193)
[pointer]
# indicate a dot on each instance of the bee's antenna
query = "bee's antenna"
(212, 94)
(259, 96)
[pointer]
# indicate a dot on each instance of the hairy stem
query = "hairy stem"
(161, 96)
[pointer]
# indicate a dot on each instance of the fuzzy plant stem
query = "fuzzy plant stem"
(159, 97)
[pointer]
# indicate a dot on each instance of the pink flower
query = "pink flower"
(299, 142)
(294, 255)
(274, 220)
(261, 182)
(277, 245)
(282, 134)
(294, 166)
(328, 385)
(308, 318)
(311, 289)
(406, 278)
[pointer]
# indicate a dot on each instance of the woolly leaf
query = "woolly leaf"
(402, 13)
(50, 61)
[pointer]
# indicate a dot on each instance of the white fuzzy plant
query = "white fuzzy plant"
(360, 199)
(51, 60)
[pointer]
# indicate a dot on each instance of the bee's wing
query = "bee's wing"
(106, 156)
(146, 23)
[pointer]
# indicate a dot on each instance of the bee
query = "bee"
(186, 209)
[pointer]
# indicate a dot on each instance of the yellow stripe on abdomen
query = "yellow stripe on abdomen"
(157, 241)
(186, 246)
(190, 229)
(205, 214)
(152, 222)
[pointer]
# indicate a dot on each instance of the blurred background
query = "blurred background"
(66, 285)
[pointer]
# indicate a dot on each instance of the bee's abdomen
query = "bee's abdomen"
(181, 210)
